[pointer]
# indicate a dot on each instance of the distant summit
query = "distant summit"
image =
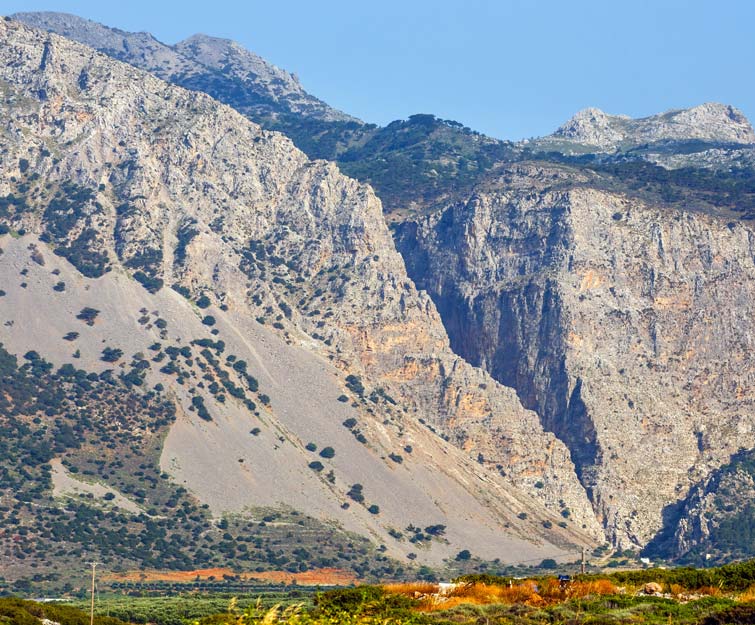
(220, 67)
(708, 122)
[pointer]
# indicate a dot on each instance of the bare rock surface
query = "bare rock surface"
(138, 185)
(196, 63)
(710, 122)
(626, 326)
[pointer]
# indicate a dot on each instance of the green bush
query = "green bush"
(88, 315)
(110, 354)
(203, 301)
(151, 283)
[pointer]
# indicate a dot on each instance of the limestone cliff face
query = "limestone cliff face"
(627, 327)
(118, 171)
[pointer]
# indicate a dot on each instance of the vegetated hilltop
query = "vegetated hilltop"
(161, 236)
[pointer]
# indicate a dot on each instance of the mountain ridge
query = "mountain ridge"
(710, 121)
(416, 162)
(116, 185)
(271, 88)
(519, 317)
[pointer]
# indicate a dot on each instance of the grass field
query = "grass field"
(186, 608)
(682, 596)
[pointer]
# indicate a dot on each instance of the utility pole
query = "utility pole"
(584, 563)
(91, 613)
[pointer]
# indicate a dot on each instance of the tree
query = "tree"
(111, 354)
(463, 555)
(203, 301)
(88, 315)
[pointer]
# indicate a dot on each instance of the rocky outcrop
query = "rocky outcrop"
(222, 67)
(716, 521)
(708, 122)
(626, 326)
(124, 175)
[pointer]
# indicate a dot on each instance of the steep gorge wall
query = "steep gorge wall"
(625, 326)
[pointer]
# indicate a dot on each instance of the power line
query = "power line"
(91, 613)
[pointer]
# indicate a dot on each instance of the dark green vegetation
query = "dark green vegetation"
(174, 608)
(421, 160)
(730, 192)
(71, 227)
(730, 577)
(14, 611)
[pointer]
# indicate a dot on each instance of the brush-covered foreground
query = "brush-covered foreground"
(686, 596)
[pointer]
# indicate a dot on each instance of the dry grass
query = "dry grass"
(714, 591)
(541, 593)
(676, 590)
(748, 595)
(592, 588)
(314, 577)
(411, 588)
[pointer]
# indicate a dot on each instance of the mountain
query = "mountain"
(221, 67)
(622, 320)
(230, 333)
(593, 130)
(582, 353)
(443, 155)
(415, 163)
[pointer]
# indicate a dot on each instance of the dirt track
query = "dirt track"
(316, 577)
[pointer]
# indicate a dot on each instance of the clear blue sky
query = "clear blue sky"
(509, 68)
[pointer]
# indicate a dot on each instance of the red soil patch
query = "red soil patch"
(316, 577)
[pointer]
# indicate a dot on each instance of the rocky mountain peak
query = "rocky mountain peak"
(220, 67)
(591, 126)
(716, 121)
(81, 29)
(711, 121)
(228, 55)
